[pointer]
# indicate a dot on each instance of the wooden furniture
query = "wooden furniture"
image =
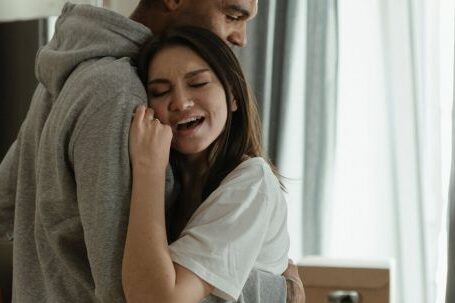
(342, 281)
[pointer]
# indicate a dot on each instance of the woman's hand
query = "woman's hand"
(149, 141)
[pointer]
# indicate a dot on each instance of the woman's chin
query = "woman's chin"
(190, 151)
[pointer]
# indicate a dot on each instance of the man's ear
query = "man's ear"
(172, 5)
(234, 105)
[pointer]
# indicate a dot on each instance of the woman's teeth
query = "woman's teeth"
(189, 123)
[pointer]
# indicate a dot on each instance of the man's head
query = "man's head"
(226, 18)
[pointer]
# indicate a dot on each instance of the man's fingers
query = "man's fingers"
(292, 269)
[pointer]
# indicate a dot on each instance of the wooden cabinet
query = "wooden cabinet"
(325, 280)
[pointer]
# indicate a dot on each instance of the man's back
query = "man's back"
(68, 234)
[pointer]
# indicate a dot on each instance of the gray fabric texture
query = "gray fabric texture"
(65, 182)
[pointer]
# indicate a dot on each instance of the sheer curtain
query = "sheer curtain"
(291, 62)
(391, 163)
(273, 61)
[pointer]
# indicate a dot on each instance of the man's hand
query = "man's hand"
(295, 291)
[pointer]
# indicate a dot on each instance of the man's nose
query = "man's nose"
(238, 37)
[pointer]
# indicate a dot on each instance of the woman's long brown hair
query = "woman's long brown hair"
(242, 133)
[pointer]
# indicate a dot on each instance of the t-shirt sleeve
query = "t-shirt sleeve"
(224, 237)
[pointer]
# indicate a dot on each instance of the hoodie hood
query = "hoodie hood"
(85, 32)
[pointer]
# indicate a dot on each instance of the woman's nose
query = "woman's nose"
(181, 101)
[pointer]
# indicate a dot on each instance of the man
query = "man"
(65, 182)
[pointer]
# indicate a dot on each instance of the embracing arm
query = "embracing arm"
(295, 290)
(155, 278)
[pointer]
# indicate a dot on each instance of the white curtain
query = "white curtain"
(274, 63)
(391, 167)
(306, 145)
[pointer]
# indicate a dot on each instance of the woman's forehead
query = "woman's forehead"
(176, 59)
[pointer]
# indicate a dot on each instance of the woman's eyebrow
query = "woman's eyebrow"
(158, 81)
(196, 72)
(187, 75)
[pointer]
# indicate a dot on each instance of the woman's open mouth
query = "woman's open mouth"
(189, 123)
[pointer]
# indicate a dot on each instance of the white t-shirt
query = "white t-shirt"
(240, 226)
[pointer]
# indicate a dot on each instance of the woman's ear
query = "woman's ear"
(234, 105)
(172, 5)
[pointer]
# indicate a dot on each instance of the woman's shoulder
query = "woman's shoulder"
(252, 171)
(253, 164)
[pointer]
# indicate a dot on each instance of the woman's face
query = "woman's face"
(186, 94)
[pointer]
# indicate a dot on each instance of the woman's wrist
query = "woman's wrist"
(148, 168)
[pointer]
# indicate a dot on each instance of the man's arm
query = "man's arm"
(263, 287)
(295, 290)
(101, 163)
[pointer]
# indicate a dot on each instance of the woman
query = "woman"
(230, 215)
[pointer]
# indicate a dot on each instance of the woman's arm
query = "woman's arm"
(148, 273)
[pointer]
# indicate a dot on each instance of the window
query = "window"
(393, 141)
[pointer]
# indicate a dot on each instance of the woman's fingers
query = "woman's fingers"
(149, 114)
(139, 113)
(143, 114)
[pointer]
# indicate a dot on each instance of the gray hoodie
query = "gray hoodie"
(65, 182)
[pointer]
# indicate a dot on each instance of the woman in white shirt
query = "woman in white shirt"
(230, 215)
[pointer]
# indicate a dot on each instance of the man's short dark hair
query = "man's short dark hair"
(148, 3)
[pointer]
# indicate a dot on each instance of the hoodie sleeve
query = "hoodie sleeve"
(103, 180)
(8, 181)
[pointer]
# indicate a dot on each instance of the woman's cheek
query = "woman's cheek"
(159, 111)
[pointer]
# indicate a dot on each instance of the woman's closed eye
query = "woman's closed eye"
(198, 84)
(157, 93)
(158, 87)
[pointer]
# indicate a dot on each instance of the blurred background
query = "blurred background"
(356, 103)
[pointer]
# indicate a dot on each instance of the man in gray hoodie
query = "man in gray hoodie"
(65, 181)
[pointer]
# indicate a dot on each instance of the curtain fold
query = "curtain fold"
(405, 134)
(266, 62)
(269, 64)
(319, 118)
(388, 198)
